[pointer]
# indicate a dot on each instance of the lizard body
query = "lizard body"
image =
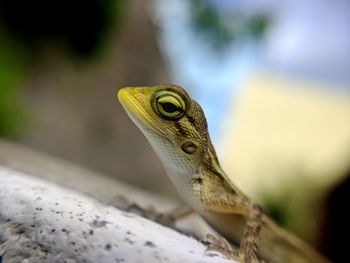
(176, 127)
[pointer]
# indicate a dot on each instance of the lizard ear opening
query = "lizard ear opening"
(189, 147)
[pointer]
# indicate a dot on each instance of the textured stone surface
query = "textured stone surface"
(101, 188)
(43, 222)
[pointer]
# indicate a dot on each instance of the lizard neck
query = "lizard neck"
(200, 178)
(213, 175)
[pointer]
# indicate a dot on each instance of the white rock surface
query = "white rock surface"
(43, 222)
(100, 187)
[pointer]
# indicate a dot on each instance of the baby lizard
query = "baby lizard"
(176, 127)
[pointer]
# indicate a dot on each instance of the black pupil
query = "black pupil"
(169, 107)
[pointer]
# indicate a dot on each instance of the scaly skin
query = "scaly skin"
(176, 127)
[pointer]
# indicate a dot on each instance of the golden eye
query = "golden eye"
(168, 104)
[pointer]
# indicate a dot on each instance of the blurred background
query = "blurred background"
(272, 76)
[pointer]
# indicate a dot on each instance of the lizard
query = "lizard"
(176, 127)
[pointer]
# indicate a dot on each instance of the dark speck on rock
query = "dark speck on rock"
(108, 247)
(20, 232)
(129, 241)
(129, 233)
(211, 255)
(91, 232)
(98, 223)
(149, 244)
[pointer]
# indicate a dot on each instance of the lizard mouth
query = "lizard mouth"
(133, 105)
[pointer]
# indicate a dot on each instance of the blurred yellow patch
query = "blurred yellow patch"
(283, 134)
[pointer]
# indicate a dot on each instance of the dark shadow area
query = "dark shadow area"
(80, 24)
(335, 237)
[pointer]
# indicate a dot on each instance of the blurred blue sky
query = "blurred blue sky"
(304, 39)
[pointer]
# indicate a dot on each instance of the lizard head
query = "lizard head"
(173, 123)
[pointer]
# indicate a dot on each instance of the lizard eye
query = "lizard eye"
(168, 105)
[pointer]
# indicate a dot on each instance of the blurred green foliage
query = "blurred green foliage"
(26, 27)
(222, 27)
(293, 204)
(12, 67)
(257, 25)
